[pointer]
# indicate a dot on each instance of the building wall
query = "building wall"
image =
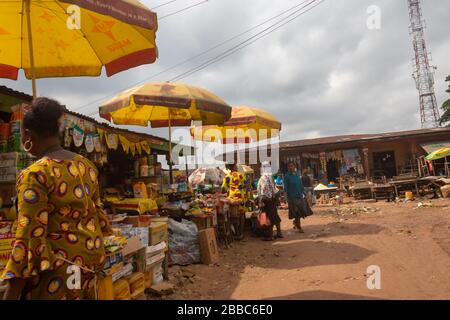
(404, 151)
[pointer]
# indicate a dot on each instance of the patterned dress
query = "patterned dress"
(59, 216)
(234, 182)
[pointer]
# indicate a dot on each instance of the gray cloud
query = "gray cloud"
(323, 74)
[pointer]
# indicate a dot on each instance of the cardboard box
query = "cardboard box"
(5, 251)
(208, 246)
(142, 234)
(124, 272)
(157, 233)
(133, 245)
(156, 249)
(138, 221)
(6, 242)
(154, 260)
(105, 288)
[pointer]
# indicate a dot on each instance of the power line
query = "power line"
(245, 43)
(198, 55)
(163, 4)
(184, 9)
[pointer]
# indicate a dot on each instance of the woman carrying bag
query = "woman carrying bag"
(267, 195)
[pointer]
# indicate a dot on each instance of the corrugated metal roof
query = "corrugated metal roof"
(28, 98)
(363, 137)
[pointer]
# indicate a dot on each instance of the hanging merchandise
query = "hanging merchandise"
(89, 143)
(97, 143)
(351, 157)
(145, 146)
(323, 161)
(104, 158)
(78, 136)
(68, 132)
(132, 147)
(125, 143)
(139, 148)
(101, 133)
(112, 141)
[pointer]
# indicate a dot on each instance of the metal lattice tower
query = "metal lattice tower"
(423, 73)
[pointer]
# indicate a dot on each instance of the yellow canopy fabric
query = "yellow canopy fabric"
(116, 34)
(152, 103)
(246, 124)
(438, 154)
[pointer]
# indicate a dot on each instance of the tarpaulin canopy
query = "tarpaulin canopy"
(438, 154)
(434, 146)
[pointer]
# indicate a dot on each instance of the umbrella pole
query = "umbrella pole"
(170, 151)
(30, 47)
(186, 165)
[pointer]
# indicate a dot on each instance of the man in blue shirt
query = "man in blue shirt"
(295, 192)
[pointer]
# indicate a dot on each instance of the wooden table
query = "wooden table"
(431, 184)
(325, 194)
(405, 185)
(362, 191)
(382, 191)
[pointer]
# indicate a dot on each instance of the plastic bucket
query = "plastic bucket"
(409, 195)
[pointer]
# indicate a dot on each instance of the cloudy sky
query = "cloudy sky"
(322, 74)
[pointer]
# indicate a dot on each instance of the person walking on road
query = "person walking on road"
(295, 191)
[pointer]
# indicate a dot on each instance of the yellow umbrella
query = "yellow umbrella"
(245, 125)
(66, 38)
(165, 105)
(438, 154)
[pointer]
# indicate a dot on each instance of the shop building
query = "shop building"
(366, 156)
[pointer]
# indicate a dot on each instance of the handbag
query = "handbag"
(306, 208)
(263, 220)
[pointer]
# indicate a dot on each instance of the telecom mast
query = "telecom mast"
(423, 73)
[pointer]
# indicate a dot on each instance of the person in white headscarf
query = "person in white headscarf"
(267, 193)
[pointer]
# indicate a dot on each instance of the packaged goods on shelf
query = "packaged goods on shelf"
(126, 270)
(121, 290)
(133, 244)
(136, 282)
(139, 221)
(148, 278)
(157, 232)
(153, 259)
(142, 234)
(112, 259)
(105, 288)
(140, 190)
(7, 238)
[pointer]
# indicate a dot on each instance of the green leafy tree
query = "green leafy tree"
(446, 107)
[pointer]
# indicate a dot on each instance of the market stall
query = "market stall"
(133, 187)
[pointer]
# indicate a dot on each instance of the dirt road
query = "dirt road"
(411, 246)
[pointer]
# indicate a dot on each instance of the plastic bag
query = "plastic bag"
(263, 220)
(183, 243)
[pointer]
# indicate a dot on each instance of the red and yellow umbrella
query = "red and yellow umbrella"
(67, 38)
(157, 104)
(165, 105)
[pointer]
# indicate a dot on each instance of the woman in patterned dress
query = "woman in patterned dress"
(60, 218)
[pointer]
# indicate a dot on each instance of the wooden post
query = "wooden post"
(170, 151)
(30, 47)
